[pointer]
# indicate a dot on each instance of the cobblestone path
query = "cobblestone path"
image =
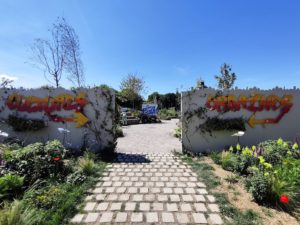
(149, 189)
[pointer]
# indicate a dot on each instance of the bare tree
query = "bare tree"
(5, 81)
(227, 78)
(73, 62)
(50, 55)
(59, 54)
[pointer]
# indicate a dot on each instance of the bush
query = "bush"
(39, 161)
(10, 185)
(167, 114)
(285, 180)
(45, 197)
(17, 214)
(86, 164)
(119, 132)
(243, 162)
(78, 177)
(259, 187)
(228, 161)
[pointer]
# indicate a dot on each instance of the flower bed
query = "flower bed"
(271, 171)
(43, 183)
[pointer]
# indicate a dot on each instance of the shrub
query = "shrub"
(119, 132)
(17, 214)
(286, 181)
(259, 187)
(228, 161)
(45, 197)
(87, 164)
(39, 161)
(178, 132)
(78, 177)
(10, 185)
(167, 114)
(243, 162)
(216, 157)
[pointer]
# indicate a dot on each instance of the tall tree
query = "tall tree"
(227, 78)
(50, 55)
(73, 62)
(132, 86)
(58, 54)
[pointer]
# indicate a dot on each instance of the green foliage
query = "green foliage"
(232, 179)
(131, 88)
(217, 124)
(86, 164)
(259, 187)
(166, 101)
(17, 214)
(231, 215)
(243, 162)
(76, 178)
(57, 202)
(228, 161)
(39, 161)
(167, 114)
(178, 132)
(119, 132)
(216, 157)
(227, 78)
(10, 185)
(22, 124)
(285, 180)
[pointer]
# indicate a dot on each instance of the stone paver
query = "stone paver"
(149, 188)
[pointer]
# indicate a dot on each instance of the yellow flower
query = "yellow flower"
(238, 147)
(253, 148)
(280, 141)
(268, 165)
(231, 149)
(266, 174)
(261, 159)
(289, 152)
(295, 146)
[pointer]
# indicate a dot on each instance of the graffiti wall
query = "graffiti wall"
(78, 117)
(211, 119)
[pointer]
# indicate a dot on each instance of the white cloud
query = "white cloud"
(9, 77)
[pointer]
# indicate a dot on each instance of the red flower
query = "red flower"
(56, 158)
(284, 199)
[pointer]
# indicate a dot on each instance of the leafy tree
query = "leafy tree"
(227, 78)
(131, 87)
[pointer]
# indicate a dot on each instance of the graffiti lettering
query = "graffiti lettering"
(49, 105)
(254, 103)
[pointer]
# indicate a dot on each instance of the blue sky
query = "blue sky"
(171, 43)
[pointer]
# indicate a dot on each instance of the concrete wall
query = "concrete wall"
(269, 114)
(74, 117)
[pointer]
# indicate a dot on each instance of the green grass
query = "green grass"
(231, 215)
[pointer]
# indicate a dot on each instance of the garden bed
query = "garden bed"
(44, 183)
(270, 172)
(233, 185)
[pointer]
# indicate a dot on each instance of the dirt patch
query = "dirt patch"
(241, 199)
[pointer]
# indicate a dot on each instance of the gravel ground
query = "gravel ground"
(150, 138)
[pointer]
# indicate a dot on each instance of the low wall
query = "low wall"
(75, 117)
(267, 114)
